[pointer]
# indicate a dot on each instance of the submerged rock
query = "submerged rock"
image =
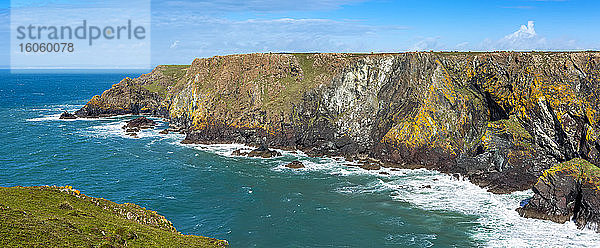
(566, 191)
(132, 130)
(295, 165)
(370, 165)
(239, 152)
(67, 115)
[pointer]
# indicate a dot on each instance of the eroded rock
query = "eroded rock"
(567, 191)
(67, 115)
(261, 152)
(139, 123)
(295, 165)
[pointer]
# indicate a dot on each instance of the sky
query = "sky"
(183, 30)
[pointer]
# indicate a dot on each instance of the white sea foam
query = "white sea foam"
(500, 224)
(221, 149)
(52, 113)
(115, 128)
(52, 117)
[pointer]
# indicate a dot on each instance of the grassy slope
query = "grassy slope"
(62, 217)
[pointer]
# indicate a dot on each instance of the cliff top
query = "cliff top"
(63, 217)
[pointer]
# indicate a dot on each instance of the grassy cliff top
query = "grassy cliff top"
(50, 216)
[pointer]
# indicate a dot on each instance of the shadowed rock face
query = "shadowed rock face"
(567, 191)
(499, 119)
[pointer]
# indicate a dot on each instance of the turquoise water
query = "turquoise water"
(249, 202)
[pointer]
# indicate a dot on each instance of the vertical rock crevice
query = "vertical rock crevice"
(496, 112)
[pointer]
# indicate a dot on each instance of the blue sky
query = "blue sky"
(183, 30)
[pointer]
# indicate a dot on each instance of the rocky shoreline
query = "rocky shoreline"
(499, 119)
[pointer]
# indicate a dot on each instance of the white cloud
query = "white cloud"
(525, 32)
(524, 39)
(174, 44)
(428, 43)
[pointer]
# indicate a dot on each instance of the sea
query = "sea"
(250, 202)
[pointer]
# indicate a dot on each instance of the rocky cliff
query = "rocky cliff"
(499, 119)
(567, 191)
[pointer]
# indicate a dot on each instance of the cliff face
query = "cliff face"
(498, 118)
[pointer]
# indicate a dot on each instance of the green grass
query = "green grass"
(174, 71)
(513, 126)
(156, 88)
(61, 217)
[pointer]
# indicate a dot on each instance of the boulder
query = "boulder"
(295, 165)
(67, 115)
(260, 152)
(567, 191)
(164, 131)
(140, 123)
(263, 152)
(239, 152)
(370, 165)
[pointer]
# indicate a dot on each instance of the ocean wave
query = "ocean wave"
(499, 224)
(53, 112)
(115, 129)
(225, 150)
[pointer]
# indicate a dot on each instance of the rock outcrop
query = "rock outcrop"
(147, 94)
(140, 123)
(260, 152)
(499, 119)
(567, 191)
(132, 127)
(67, 115)
(295, 165)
